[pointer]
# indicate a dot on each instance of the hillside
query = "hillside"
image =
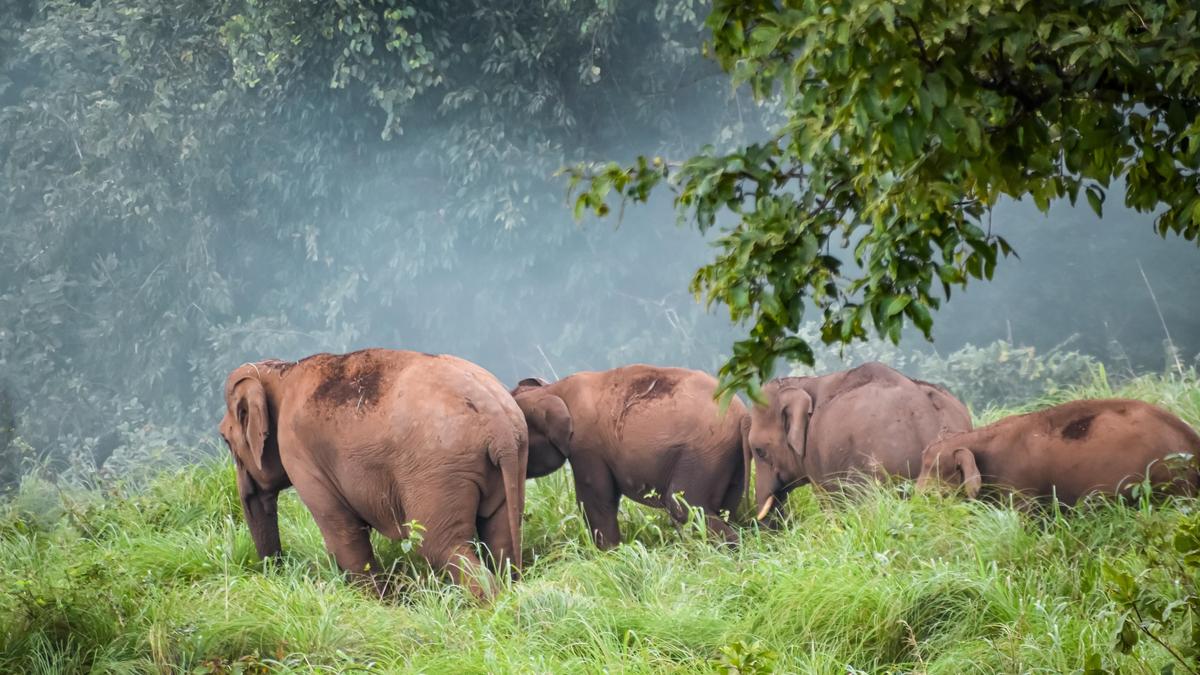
(163, 578)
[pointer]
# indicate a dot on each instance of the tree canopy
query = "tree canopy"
(907, 122)
(188, 186)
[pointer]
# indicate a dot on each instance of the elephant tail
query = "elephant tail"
(510, 452)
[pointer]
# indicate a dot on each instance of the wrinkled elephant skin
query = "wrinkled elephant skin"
(1068, 451)
(376, 439)
(643, 432)
(870, 420)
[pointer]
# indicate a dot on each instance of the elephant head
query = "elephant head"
(248, 430)
(550, 426)
(952, 465)
(778, 440)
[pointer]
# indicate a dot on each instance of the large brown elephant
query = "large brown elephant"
(643, 432)
(1067, 451)
(376, 439)
(825, 429)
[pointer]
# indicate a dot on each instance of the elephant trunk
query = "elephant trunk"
(923, 482)
(260, 509)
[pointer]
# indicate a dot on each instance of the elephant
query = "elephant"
(644, 432)
(870, 420)
(1067, 451)
(379, 438)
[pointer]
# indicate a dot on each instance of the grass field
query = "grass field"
(163, 578)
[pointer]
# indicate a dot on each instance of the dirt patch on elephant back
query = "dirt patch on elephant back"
(643, 389)
(354, 379)
(934, 399)
(1078, 428)
(281, 367)
(649, 387)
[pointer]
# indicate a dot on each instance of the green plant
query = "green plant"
(162, 576)
(996, 375)
(1159, 597)
(907, 123)
(739, 658)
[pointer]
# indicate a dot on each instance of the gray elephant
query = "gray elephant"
(376, 439)
(1069, 451)
(869, 420)
(643, 432)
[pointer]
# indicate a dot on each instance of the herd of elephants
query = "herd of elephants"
(381, 438)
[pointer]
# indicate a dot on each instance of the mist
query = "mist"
(163, 223)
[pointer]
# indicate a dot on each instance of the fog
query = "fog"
(162, 226)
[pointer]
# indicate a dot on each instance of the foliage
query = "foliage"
(907, 123)
(187, 187)
(740, 658)
(164, 578)
(1001, 374)
(998, 374)
(191, 186)
(1158, 595)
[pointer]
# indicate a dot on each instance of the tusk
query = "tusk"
(766, 509)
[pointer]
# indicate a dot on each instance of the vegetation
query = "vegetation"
(191, 186)
(188, 186)
(164, 579)
(907, 122)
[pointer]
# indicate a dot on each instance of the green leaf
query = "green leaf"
(897, 305)
(888, 12)
(974, 136)
(920, 317)
(1095, 199)
(936, 86)
(1127, 636)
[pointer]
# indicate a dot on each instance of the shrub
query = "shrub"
(998, 374)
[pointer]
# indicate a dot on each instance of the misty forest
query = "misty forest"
(1002, 199)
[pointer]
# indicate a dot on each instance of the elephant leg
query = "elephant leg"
(696, 496)
(723, 530)
(346, 535)
(732, 500)
(450, 529)
(350, 543)
(496, 535)
(596, 492)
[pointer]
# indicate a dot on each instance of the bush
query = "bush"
(999, 374)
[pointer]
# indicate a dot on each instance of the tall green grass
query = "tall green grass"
(164, 579)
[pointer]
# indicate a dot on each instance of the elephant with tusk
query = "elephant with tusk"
(869, 420)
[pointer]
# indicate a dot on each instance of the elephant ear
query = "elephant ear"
(249, 404)
(964, 461)
(797, 408)
(550, 414)
(559, 425)
(527, 384)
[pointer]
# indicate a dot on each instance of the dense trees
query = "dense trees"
(189, 185)
(186, 186)
(907, 123)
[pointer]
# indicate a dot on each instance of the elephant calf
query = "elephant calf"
(375, 439)
(644, 432)
(1067, 451)
(869, 420)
